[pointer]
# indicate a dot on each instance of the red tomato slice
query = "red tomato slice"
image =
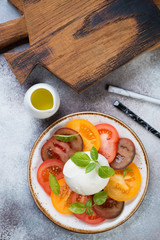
(53, 166)
(109, 141)
(91, 219)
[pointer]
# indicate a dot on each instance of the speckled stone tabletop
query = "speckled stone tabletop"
(20, 217)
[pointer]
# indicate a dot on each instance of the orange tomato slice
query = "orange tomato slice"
(62, 201)
(88, 132)
(124, 188)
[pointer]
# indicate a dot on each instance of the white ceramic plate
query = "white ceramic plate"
(69, 221)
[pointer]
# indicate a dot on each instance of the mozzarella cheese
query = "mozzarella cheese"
(85, 183)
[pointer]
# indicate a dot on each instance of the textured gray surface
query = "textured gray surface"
(20, 218)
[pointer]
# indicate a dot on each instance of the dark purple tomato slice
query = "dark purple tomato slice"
(110, 209)
(77, 143)
(125, 154)
(57, 149)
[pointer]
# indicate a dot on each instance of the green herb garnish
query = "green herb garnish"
(54, 184)
(79, 208)
(105, 171)
(100, 197)
(90, 167)
(94, 154)
(65, 138)
(89, 211)
(125, 171)
(88, 206)
(81, 159)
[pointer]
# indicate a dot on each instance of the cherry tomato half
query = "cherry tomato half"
(91, 219)
(88, 133)
(53, 166)
(109, 141)
(124, 188)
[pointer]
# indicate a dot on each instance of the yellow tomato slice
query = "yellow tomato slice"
(124, 188)
(88, 132)
(62, 201)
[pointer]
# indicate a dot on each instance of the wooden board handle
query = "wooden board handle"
(23, 63)
(12, 32)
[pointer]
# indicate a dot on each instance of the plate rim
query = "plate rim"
(30, 161)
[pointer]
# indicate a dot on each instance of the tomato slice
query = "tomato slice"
(125, 155)
(62, 201)
(54, 148)
(91, 219)
(110, 209)
(77, 144)
(109, 141)
(53, 166)
(88, 133)
(124, 188)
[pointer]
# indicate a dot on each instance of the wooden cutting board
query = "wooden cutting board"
(83, 41)
(15, 31)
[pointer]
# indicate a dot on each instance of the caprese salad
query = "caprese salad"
(88, 171)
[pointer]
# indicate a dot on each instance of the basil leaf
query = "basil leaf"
(54, 184)
(100, 197)
(81, 159)
(94, 153)
(90, 167)
(65, 138)
(129, 169)
(77, 207)
(125, 171)
(89, 211)
(105, 171)
(88, 204)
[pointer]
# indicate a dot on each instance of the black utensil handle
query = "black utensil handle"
(136, 118)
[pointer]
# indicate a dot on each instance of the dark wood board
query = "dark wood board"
(89, 47)
(45, 17)
(15, 31)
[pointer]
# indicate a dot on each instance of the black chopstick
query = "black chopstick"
(136, 118)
